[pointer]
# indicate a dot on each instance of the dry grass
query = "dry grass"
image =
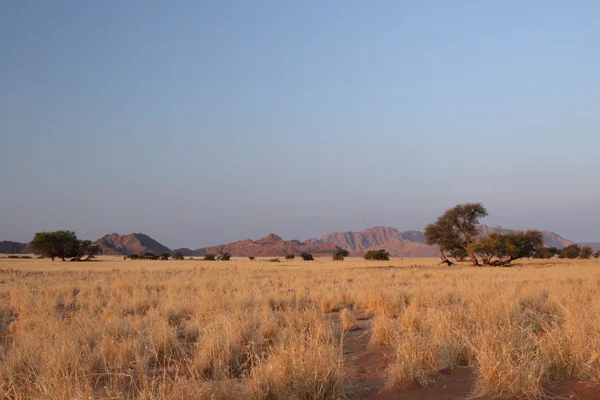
(251, 329)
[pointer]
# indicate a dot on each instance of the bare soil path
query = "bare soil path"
(365, 367)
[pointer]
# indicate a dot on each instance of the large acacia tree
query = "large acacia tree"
(455, 231)
(56, 244)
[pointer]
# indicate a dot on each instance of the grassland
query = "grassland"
(262, 330)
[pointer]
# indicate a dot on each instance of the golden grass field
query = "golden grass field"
(254, 329)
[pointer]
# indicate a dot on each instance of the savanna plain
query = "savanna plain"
(242, 329)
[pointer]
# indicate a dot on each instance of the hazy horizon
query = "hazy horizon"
(201, 123)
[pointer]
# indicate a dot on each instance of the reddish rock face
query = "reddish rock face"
(134, 243)
(273, 245)
(380, 237)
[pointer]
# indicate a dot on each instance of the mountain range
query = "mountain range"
(399, 244)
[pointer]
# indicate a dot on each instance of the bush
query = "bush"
(307, 257)
(597, 254)
(586, 252)
(274, 260)
(150, 256)
(290, 256)
(133, 257)
(177, 256)
(571, 252)
(224, 257)
(13, 256)
(251, 258)
(210, 257)
(340, 254)
(164, 256)
(377, 255)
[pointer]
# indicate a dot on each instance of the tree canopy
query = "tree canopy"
(55, 244)
(455, 231)
(504, 248)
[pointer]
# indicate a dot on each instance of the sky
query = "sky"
(204, 122)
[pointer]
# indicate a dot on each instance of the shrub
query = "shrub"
(133, 257)
(571, 252)
(224, 257)
(597, 254)
(150, 256)
(251, 258)
(586, 252)
(13, 256)
(164, 256)
(340, 254)
(210, 257)
(274, 260)
(307, 257)
(377, 255)
(290, 256)
(177, 256)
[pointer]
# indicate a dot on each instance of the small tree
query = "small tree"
(164, 256)
(150, 256)
(290, 256)
(210, 257)
(502, 249)
(87, 248)
(586, 252)
(377, 255)
(340, 254)
(177, 256)
(224, 257)
(307, 257)
(133, 257)
(251, 258)
(571, 252)
(456, 229)
(597, 254)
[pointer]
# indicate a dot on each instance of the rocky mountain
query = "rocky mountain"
(410, 243)
(134, 243)
(381, 237)
(273, 245)
(7, 247)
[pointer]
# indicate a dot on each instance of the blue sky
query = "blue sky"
(201, 122)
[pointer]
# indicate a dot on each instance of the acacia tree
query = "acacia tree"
(56, 244)
(586, 252)
(455, 231)
(87, 247)
(502, 249)
(572, 251)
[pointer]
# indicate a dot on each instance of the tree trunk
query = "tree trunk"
(445, 259)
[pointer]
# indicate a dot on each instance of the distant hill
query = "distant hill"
(381, 237)
(134, 243)
(411, 243)
(7, 247)
(191, 253)
(273, 245)
(399, 244)
(594, 245)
